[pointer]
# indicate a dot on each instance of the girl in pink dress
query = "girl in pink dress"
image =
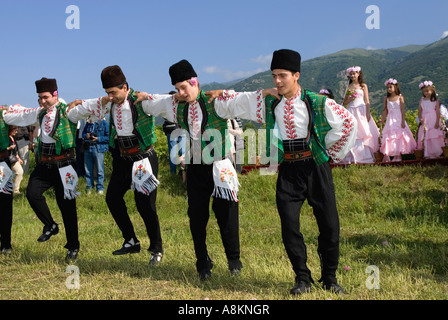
(397, 137)
(357, 102)
(430, 135)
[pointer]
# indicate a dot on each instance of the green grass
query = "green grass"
(395, 218)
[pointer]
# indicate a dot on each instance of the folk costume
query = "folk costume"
(135, 162)
(303, 134)
(55, 164)
(6, 189)
(210, 172)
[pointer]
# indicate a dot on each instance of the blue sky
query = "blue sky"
(224, 40)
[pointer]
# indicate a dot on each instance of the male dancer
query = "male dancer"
(207, 157)
(135, 162)
(311, 130)
(55, 154)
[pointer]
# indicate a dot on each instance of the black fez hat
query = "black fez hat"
(46, 85)
(182, 71)
(286, 59)
(112, 77)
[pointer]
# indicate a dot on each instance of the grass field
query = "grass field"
(394, 218)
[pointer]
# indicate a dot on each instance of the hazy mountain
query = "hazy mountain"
(410, 65)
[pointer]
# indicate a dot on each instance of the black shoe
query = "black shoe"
(156, 258)
(128, 247)
(72, 255)
(333, 287)
(235, 267)
(204, 267)
(46, 235)
(6, 251)
(301, 287)
(205, 274)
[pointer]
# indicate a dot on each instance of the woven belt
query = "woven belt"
(134, 151)
(55, 158)
(298, 155)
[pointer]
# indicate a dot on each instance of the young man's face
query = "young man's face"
(46, 99)
(117, 95)
(187, 92)
(286, 82)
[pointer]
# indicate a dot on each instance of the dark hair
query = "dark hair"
(11, 128)
(433, 94)
(360, 79)
(121, 86)
(330, 94)
(397, 89)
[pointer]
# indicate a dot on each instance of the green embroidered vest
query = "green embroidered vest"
(210, 123)
(143, 124)
(64, 131)
(4, 136)
(317, 129)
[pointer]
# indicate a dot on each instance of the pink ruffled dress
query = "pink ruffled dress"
(431, 139)
(367, 139)
(396, 140)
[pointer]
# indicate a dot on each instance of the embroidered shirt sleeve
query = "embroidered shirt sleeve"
(243, 105)
(161, 105)
(20, 116)
(91, 109)
(341, 138)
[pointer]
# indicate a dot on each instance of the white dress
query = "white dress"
(367, 138)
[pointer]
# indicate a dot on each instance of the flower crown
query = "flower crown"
(390, 81)
(324, 91)
(353, 69)
(426, 84)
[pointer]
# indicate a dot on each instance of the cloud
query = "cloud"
(263, 61)
(229, 75)
(370, 48)
(444, 35)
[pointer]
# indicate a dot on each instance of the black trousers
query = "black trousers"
(120, 183)
(5, 220)
(200, 187)
(296, 182)
(43, 178)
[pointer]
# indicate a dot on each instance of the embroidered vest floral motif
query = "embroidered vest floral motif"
(63, 130)
(317, 129)
(210, 121)
(143, 124)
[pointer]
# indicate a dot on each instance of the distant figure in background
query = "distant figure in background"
(24, 141)
(397, 138)
(14, 160)
(96, 144)
(327, 92)
(430, 135)
(358, 104)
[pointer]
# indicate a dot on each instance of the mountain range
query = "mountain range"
(410, 65)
